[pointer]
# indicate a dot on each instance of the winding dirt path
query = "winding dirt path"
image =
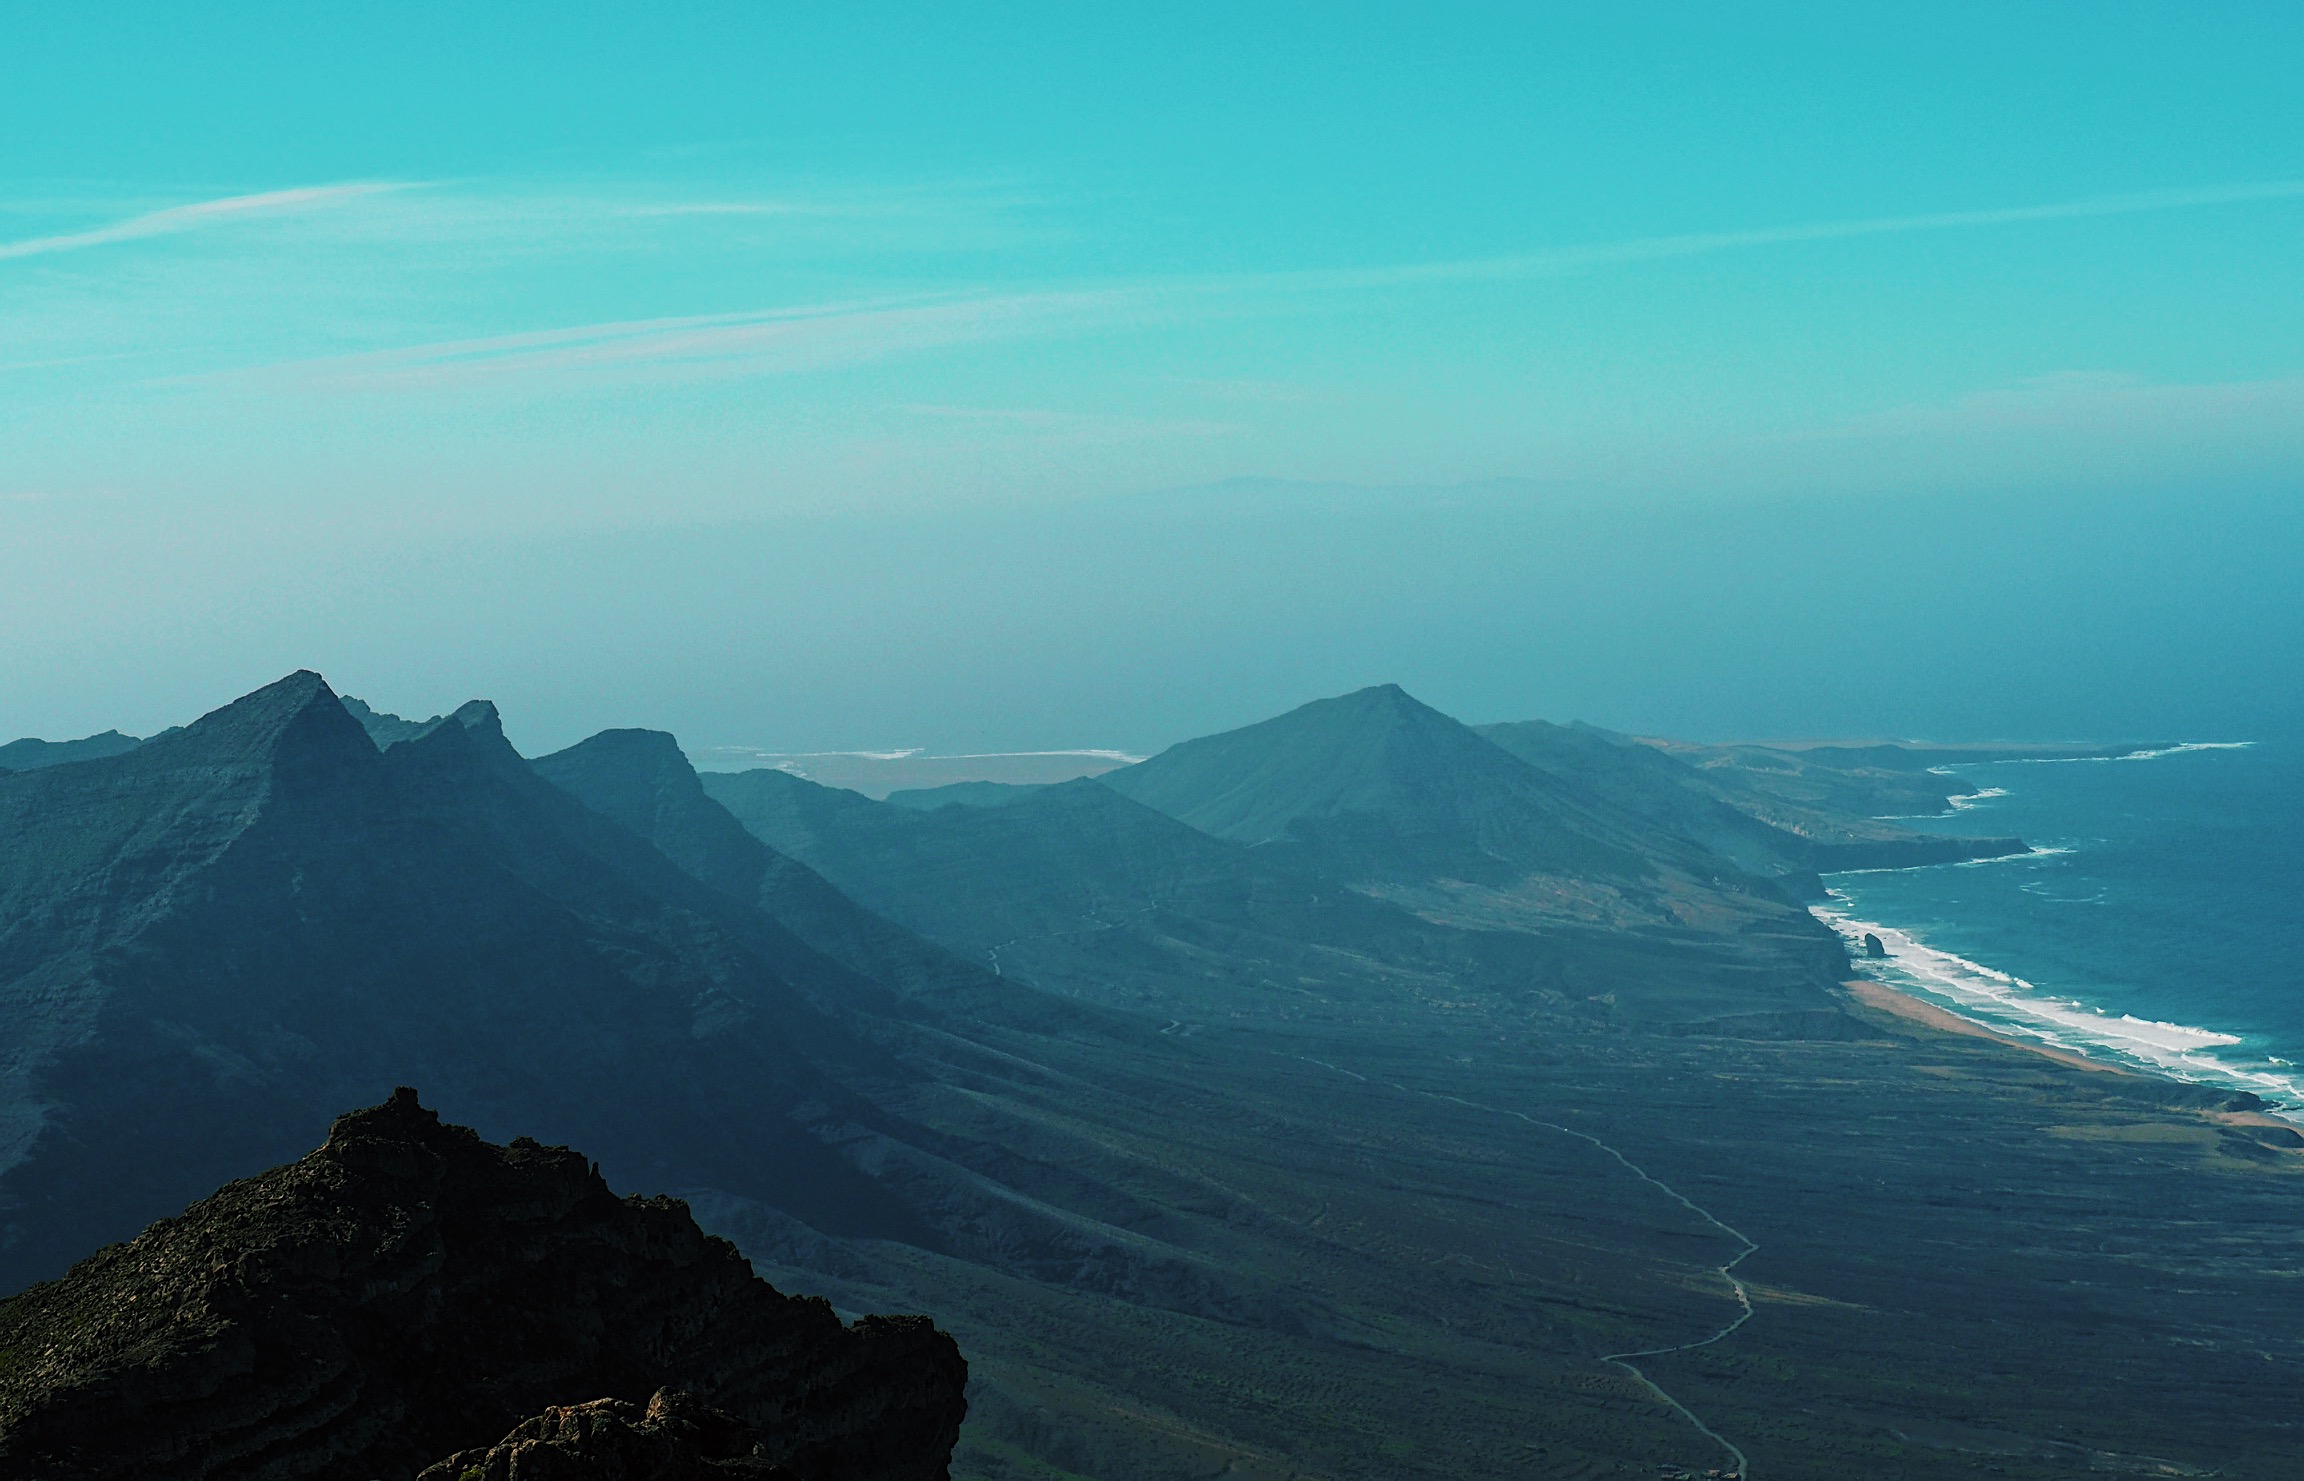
(992, 953)
(1624, 1360)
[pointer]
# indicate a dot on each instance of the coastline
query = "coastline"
(2065, 1031)
(1875, 994)
(1927, 1016)
(2040, 1016)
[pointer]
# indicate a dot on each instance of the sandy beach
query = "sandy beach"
(1886, 999)
(1916, 1010)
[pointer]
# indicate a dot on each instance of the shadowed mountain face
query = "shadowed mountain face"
(1083, 891)
(1073, 887)
(1072, 857)
(211, 943)
(640, 780)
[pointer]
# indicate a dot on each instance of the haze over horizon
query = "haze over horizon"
(1042, 380)
(842, 743)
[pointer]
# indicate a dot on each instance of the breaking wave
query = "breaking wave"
(2008, 1004)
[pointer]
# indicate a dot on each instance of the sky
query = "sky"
(1023, 376)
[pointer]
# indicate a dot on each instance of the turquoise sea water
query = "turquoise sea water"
(2155, 923)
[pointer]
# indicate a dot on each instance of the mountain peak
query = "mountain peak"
(642, 779)
(1388, 700)
(1381, 789)
(299, 712)
(388, 730)
(659, 747)
(479, 715)
(283, 697)
(471, 731)
(1369, 751)
(383, 727)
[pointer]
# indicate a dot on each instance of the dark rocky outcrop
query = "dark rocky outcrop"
(409, 1292)
(1874, 948)
(675, 1438)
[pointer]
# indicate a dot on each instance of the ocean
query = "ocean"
(2153, 924)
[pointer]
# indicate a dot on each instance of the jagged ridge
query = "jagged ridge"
(408, 1291)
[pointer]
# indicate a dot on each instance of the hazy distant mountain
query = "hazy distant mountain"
(211, 944)
(1069, 859)
(964, 794)
(1401, 801)
(1720, 807)
(1851, 793)
(641, 779)
(876, 774)
(30, 754)
(1645, 781)
(386, 729)
(1381, 788)
(1086, 892)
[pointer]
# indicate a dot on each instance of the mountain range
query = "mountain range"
(217, 940)
(1359, 1093)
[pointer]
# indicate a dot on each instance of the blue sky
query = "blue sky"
(643, 364)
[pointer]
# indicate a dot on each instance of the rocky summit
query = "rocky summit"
(410, 1295)
(673, 1439)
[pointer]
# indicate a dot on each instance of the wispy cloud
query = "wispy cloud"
(829, 334)
(55, 362)
(2101, 404)
(1049, 424)
(735, 208)
(196, 216)
(803, 337)
(1695, 244)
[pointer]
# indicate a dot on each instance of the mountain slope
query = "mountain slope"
(1846, 797)
(1362, 1200)
(640, 780)
(210, 943)
(1062, 878)
(1408, 804)
(329, 916)
(385, 729)
(1082, 891)
(30, 754)
(1717, 808)
(1377, 784)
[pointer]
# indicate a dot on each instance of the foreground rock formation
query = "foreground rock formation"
(673, 1439)
(410, 1293)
